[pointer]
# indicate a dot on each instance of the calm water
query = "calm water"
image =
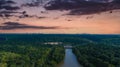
(70, 59)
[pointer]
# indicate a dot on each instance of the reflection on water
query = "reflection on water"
(70, 59)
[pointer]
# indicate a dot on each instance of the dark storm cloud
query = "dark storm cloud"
(8, 5)
(30, 5)
(81, 7)
(9, 9)
(33, 3)
(6, 14)
(16, 25)
(10, 2)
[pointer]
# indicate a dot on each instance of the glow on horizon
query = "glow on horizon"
(104, 23)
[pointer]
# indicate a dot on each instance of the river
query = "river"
(70, 59)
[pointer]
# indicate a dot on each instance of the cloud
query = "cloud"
(12, 24)
(6, 14)
(8, 8)
(8, 5)
(33, 3)
(82, 7)
(15, 25)
(30, 5)
(10, 2)
(25, 15)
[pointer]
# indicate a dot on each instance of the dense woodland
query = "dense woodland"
(24, 51)
(33, 50)
(30, 56)
(98, 55)
(103, 51)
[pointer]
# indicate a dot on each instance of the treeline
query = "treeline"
(98, 55)
(66, 39)
(40, 39)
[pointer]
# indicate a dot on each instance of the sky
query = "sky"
(37, 19)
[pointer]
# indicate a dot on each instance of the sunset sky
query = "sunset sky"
(41, 20)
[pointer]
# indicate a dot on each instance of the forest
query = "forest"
(18, 52)
(98, 55)
(47, 50)
(103, 51)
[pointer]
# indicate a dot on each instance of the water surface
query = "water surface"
(70, 59)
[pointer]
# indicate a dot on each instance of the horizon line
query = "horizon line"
(65, 33)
